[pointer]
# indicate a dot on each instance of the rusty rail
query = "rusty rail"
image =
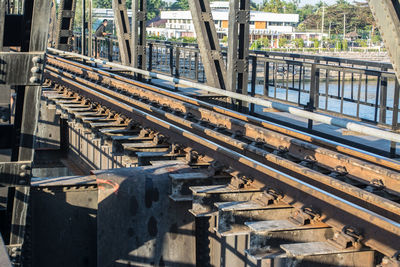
(261, 154)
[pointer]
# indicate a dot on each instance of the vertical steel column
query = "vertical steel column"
(90, 30)
(53, 24)
(238, 47)
(83, 41)
(123, 31)
(207, 39)
(35, 34)
(139, 11)
(65, 24)
(2, 20)
(387, 17)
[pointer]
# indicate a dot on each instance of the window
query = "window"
(275, 23)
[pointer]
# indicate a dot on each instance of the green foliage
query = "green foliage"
(305, 11)
(315, 42)
(280, 6)
(180, 5)
(338, 45)
(153, 6)
(191, 40)
(376, 38)
(155, 37)
(358, 16)
(260, 43)
(283, 42)
(299, 42)
(345, 45)
(103, 3)
(362, 43)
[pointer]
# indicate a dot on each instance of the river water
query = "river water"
(367, 94)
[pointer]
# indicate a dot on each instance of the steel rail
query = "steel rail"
(352, 193)
(341, 123)
(244, 147)
(366, 172)
(379, 232)
(358, 153)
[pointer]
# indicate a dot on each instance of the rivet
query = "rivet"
(34, 79)
(35, 70)
(37, 60)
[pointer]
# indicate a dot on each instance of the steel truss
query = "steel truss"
(27, 30)
(65, 24)
(207, 39)
(123, 31)
(139, 10)
(238, 46)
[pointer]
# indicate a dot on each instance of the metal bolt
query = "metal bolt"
(34, 79)
(37, 60)
(35, 70)
(22, 174)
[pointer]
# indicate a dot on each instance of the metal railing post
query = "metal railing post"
(395, 116)
(266, 77)
(177, 64)
(383, 99)
(253, 81)
(196, 66)
(312, 103)
(171, 59)
(96, 47)
(150, 59)
(110, 49)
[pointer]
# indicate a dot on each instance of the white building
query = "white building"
(262, 24)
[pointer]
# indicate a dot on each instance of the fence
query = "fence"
(362, 90)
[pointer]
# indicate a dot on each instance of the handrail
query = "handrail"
(341, 123)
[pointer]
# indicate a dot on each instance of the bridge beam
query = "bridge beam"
(65, 25)
(238, 47)
(123, 31)
(139, 10)
(207, 39)
(387, 17)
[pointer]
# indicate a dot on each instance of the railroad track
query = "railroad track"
(256, 178)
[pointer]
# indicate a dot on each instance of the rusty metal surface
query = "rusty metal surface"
(288, 146)
(63, 222)
(336, 211)
(137, 223)
(306, 154)
(383, 161)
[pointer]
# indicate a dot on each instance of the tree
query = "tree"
(357, 17)
(260, 43)
(153, 7)
(282, 42)
(305, 11)
(281, 6)
(102, 4)
(299, 42)
(180, 5)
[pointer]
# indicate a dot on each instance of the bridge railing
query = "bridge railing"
(356, 89)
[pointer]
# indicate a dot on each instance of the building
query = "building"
(177, 24)
(262, 24)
